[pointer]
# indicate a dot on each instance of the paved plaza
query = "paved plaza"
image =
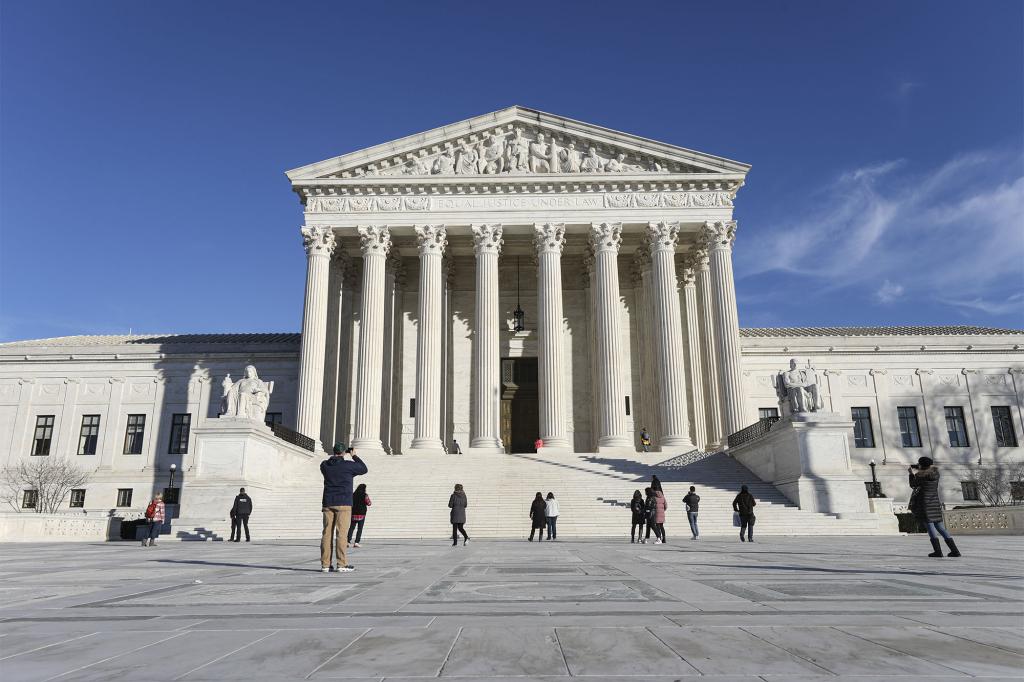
(791, 609)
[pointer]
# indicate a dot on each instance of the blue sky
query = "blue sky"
(143, 145)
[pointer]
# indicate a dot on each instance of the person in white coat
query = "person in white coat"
(551, 515)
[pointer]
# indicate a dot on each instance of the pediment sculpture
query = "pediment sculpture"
(798, 389)
(247, 398)
(515, 150)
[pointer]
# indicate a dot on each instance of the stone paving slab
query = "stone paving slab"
(794, 609)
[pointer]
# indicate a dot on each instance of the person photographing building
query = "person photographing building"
(338, 472)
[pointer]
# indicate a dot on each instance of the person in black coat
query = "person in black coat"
(744, 506)
(338, 471)
(240, 510)
(639, 511)
(360, 501)
(656, 483)
(926, 504)
(539, 519)
(650, 510)
(458, 503)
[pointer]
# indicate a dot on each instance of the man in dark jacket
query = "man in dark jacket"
(692, 502)
(338, 471)
(744, 506)
(240, 511)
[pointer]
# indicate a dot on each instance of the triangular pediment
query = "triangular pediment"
(518, 142)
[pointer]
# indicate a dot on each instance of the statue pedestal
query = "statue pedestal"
(232, 453)
(807, 457)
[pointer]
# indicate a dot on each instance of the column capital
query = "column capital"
(719, 234)
(662, 236)
(341, 260)
(642, 258)
(487, 238)
(688, 275)
(696, 260)
(605, 237)
(431, 240)
(318, 240)
(374, 240)
(549, 237)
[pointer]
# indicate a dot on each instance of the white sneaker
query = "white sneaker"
(355, 544)
(325, 569)
(345, 569)
(657, 542)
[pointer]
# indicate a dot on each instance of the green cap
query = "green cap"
(339, 448)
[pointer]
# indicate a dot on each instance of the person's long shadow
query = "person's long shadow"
(234, 565)
(862, 571)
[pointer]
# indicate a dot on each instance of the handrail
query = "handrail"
(293, 437)
(761, 427)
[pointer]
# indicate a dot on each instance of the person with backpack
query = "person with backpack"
(538, 520)
(551, 515)
(744, 505)
(692, 502)
(360, 501)
(458, 503)
(154, 520)
(639, 512)
(240, 510)
(337, 504)
(926, 504)
(650, 509)
(645, 439)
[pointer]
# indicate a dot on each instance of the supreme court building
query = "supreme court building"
(513, 277)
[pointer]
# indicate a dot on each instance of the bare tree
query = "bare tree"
(51, 479)
(996, 484)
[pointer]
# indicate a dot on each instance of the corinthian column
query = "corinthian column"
(431, 240)
(374, 242)
(720, 237)
(693, 362)
(709, 356)
(319, 243)
(605, 240)
(549, 239)
(668, 334)
(485, 427)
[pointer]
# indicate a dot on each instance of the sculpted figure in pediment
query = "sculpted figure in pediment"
(540, 161)
(518, 153)
(443, 165)
(592, 163)
(570, 159)
(418, 167)
(468, 158)
(617, 164)
(494, 155)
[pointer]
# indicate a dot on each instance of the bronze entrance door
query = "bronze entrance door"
(520, 421)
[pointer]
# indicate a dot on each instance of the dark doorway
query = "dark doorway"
(520, 423)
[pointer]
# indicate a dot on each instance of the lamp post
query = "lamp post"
(518, 316)
(874, 488)
(170, 482)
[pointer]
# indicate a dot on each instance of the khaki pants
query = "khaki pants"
(336, 522)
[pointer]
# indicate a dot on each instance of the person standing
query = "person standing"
(337, 504)
(154, 520)
(538, 520)
(458, 503)
(639, 511)
(744, 506)
(650, 509)
(240, 510)
(645, 439)
(660, 507)
(551, 515)
(926, 504)
(360, 501)
(692, 502)
(538, 444)
(456, 448)
(656, 483)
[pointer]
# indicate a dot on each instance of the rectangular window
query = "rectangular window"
(956, 427)
(89, 434)
(863, 436)
(766, 412)
(43, 435)
(627, 405)
(78, 497)
(29, 499)
(909, 430)
(970, 491)
(272, 418)
(1002, 420)
(124, 497)
(412, 407)
(134, 433)
(180, 424)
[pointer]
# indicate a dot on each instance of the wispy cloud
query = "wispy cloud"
(951, 234)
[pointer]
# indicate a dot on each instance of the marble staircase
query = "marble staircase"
(410, 496)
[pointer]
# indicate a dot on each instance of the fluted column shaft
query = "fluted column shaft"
(693, 356)
(668, 332)
(605, 240)
(432, 240)
(549, 240)
(375, 243)
(319, 244)
(709, 355)
(727, 328)
(486, 407)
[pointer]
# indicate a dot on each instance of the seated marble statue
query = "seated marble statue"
(798, 389)
(248, 398)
